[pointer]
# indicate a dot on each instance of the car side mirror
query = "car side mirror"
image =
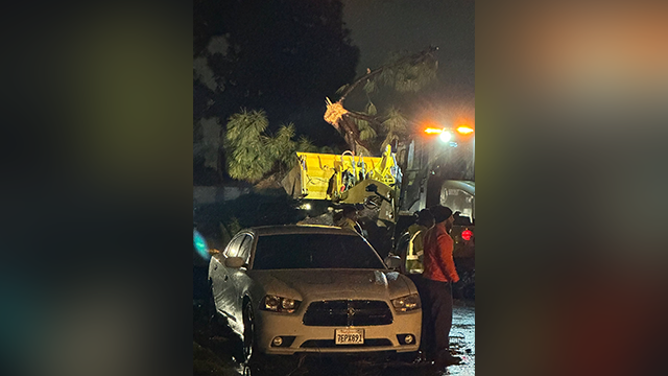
(393, 262)
(235, 262)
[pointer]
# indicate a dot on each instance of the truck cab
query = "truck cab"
(458, 195)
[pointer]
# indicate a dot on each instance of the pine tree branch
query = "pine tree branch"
(374, 121)
(413, 59)
(346, 124)
(360, 80)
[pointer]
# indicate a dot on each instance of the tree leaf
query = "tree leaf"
(370, 86)
(396, 122)
(366, 131)
(305, 145)
(286, 132)
(327, 150)
(371, 109)
(342, 89)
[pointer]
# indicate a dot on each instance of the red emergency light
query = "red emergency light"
(467, 234)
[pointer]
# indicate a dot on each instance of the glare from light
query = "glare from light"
(445, 136)
(465, 129)
(200, 245)
(433, 131)
(306, 206)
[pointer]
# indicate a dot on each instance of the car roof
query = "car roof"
(300, 229)
(466, 185)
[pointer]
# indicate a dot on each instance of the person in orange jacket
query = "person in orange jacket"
(438, 276)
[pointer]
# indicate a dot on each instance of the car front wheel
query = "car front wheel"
(243, 350)
(249, 332)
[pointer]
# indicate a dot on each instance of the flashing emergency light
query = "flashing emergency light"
(465, 129)
(433, 130)
(467, 234)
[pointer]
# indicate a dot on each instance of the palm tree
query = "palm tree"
(247, 158)
(258, 157)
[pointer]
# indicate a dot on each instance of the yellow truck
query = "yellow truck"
(341, 179)
(375, 183)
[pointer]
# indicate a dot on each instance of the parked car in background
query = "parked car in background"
(313, 289)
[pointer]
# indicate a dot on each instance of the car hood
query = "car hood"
(330, 284)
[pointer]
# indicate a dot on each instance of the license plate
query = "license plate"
(349, 336)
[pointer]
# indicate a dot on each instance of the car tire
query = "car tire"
(210, 303)
(249, 331)
(244, 352)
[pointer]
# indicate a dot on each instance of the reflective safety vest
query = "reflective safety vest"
(412, 255)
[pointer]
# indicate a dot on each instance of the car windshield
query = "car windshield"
(319, 251)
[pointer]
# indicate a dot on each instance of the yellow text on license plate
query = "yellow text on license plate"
(349, 336)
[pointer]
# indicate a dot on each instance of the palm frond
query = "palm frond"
(305, 145)
(286, 132)
(327, 149)
(246, 125)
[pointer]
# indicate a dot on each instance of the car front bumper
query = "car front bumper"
(320, 339)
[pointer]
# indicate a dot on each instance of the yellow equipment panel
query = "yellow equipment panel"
(317, 170)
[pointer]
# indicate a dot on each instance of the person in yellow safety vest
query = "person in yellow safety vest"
(416, 231)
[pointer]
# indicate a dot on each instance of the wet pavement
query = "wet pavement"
(213, 348)
(462, 341)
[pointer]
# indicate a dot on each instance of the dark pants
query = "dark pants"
(436, 317)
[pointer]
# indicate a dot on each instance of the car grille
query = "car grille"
(348, 313)
(324, 343)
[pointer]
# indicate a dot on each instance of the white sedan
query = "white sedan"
(289, 289)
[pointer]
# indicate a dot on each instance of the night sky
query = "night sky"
(269, 55)
(382, 26)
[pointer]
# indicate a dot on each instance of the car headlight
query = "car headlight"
(279, 304)
(407, 303)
